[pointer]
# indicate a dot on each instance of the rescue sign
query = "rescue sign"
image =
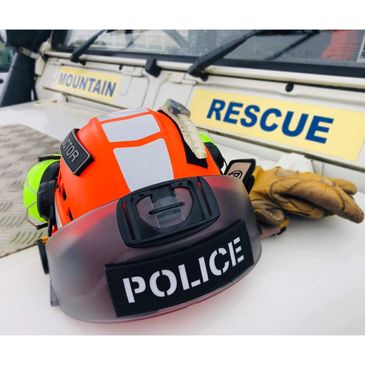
(331, 131)
(90, 84)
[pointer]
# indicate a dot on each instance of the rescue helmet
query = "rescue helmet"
(149, 222)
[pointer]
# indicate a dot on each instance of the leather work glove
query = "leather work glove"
(306, 194)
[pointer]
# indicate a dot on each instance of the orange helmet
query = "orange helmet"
(144, 179)
(123, 151)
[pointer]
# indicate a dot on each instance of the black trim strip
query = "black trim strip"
(75, 155)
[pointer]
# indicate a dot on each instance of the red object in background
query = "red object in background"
(343, 45)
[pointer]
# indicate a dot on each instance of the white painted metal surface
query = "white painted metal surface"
(3, 76)
(53, 117)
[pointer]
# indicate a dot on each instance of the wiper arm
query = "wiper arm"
(293, 45)
(197, 69)
(79, 51)
(177, 37)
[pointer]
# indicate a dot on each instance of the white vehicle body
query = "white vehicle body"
(5, 59)
(309, 280)
(2, 79)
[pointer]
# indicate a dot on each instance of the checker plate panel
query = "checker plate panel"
(19, 148)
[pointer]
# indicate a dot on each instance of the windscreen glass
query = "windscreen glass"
(6, 57)
(319, 47)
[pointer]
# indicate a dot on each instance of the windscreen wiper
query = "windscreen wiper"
(197, 69)
(201, 63)
(307, 35)
(79, 51)
(178, 38)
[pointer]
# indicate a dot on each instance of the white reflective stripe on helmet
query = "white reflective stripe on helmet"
(131, 129)
(121, 113)
(145, 165)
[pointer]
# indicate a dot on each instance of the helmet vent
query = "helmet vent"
(70, 215)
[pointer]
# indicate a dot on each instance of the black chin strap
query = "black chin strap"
(46, 203)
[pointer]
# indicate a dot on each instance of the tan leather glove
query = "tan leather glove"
(306, 194)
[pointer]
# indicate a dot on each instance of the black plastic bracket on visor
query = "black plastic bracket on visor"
(144, 287)
(75, 154)
(137, 232)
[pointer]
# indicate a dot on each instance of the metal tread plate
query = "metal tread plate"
(20, 146)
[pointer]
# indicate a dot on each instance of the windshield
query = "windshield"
(6, 56)
(343, 48)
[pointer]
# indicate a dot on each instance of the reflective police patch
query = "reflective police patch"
(179, 277)
(74, 154)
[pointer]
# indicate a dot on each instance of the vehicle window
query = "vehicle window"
(338, 47)
(143, 41)
(6, 56)
(343, 48)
